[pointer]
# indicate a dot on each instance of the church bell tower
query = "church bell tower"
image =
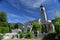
(46, 24)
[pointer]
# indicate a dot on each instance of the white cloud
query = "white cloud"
(16, 18)
(28, 3)
(14, 3)
(32, 3)
(13, 15)
(29, 11)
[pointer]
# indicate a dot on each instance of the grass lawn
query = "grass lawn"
(27, 39)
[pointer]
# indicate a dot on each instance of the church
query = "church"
(47, 25)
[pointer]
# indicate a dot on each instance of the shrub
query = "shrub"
(1, 36)
(29, 35)
(58, 36)
(50, 36)
(21, 34)
(4, 30)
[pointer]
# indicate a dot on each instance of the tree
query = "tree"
(3, 23)
(3, 17)
(16, 26)
(57, 23)
(36, 27)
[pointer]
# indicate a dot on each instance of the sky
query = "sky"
(26, 10)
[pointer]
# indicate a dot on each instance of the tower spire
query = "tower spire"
(41, 5)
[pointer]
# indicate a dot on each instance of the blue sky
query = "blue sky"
(25, 10)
